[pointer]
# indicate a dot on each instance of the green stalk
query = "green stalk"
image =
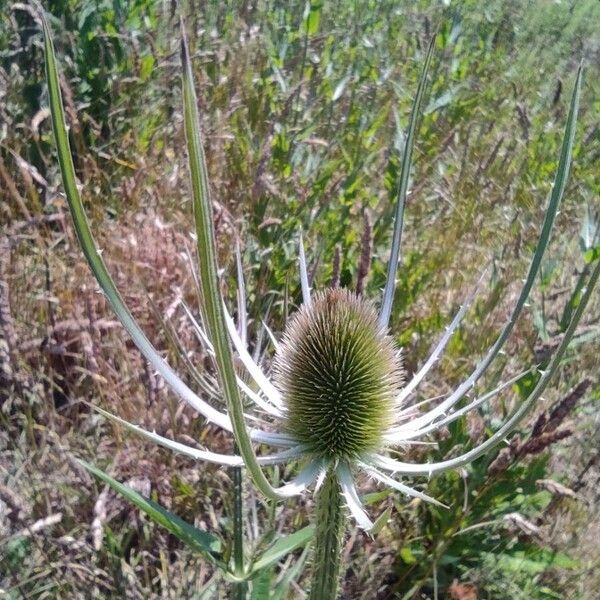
(330, 520)
(238, 522)
(239, 588)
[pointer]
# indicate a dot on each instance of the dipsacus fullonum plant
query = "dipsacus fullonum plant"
(334, 401)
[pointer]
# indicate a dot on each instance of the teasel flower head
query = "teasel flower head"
(339, 374)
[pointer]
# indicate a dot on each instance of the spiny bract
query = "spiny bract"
(339, 374)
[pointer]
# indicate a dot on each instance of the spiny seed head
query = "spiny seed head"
(339, 374)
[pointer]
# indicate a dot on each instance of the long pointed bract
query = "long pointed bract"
(401, 487)
(209, 280)
(516, 417)
(351, 496)
(229, 460)
(406, 432)
(390, 283)
(266, 405)
(439, 348)
(92, 255)
(306, 299)
(254, 369)
(558, 189)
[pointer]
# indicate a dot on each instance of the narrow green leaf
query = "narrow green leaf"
(573, 299)
(592, 254)
(200, 541)
(381, 521)
(290, 575)
(282, 547)
(374, 497)
(261, 585)
(339, 88)
(390, 284)
(312, 15)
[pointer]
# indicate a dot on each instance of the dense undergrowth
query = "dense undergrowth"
(304, 110)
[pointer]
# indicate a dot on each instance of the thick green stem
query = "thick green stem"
(330, 519)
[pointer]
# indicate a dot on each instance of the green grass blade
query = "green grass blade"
(390, 283)
(92, 255)
(282, 547)
(262, 583)
(209, 281)
(291, 574)
(206, 544)
(381, 522)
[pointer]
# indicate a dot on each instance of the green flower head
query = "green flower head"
(339, 374)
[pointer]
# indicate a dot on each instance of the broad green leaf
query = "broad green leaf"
(282, 547)
(146, 66)
(200, 541)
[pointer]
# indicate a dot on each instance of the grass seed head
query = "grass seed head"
(339, 374)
